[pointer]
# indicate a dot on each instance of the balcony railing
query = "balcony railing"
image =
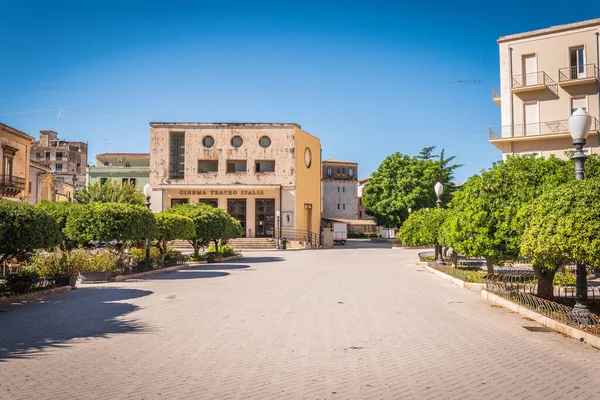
(577, 73)
(10, 185)
(533, 80)
(560, 127)
(496, 93)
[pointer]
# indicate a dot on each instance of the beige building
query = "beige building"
(253, 170)
(14, 153)
(544, 76)
(67, 160)
(43, 185)
(340, 185)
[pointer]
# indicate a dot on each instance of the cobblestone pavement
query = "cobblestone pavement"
(333, 324)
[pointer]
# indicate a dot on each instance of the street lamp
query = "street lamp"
(409, 210)
(277, 229)
(439, 190)
(147, 194)
(579, 127)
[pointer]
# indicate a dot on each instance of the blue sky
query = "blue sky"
(369, 78)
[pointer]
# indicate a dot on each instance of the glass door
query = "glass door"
(265, 217)
(237, 209)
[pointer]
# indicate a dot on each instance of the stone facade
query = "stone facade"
(68, 160)
(15, 147)
(121, 167)
(340, 185)
(252, 170)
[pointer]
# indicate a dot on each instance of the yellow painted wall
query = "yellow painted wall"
(308, 181)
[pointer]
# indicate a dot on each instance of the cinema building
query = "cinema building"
(255, 171)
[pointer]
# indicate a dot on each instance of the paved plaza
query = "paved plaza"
(348, 323)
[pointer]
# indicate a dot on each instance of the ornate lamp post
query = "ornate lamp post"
(147, 194)
(439, 190)
(277, 229)
(579, 127)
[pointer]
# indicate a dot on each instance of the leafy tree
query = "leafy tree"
(483, 216)
(212, 224)
(562, 226)
(60, 210)
(24, 228)
(171, 227)
(401, 182)
(110, 192)
(422, 227)
(110, 221)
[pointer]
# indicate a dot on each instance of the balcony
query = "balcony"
(496, 94)
(10, 185)
(578, 75)
(548, 129)
(533, 81)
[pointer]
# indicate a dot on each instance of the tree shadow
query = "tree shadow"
(28, 329)
(266, 259)
(218, 267)
(189, 273)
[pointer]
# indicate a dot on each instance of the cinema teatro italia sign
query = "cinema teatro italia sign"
(221, 192)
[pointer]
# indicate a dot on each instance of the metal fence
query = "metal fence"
(10, 288)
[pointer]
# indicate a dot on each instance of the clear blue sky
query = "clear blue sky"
(369, 78)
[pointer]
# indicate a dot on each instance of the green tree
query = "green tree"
(25, 228)
(110, 221)
(401, 182)
(483, 216)
(562, 226)
(422, 228)
(60, 210)
(212, 224)
(110, 192)
(171, 227)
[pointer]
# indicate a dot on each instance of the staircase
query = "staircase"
(182, 245)
(253, 244)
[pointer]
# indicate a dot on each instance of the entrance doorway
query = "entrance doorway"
(237, 209)
(265, 217)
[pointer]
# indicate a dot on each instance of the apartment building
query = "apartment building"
(131, 168)
(340, 188)
(544, 76)
(15, 147)
(252, 170)
(67, 160)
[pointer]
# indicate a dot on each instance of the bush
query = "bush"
(100, 261)
(140, 253)
(224, 251)
(60, 263)
(60, 211)
(171, 227)
(565, 278)
(27, 275)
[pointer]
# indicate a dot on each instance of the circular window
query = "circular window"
(264, 142)
(208, 141)
(236, 141)
(307, 157)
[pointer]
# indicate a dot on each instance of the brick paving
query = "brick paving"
(334, 324)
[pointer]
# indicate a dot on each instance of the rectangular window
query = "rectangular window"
(577, 58)
(29, 186)
(127, 164)
(329, 171)
(125, 180)
(338, 189)
(578, 102)
(343, 206)
(265, 166)
(175, 202)
(38, 156)
(106, 164)
(338, 172)
(132, 181)
(59, 167)
(59, 155)
(205, 166)
(211, 202)
(47, 156)
(176, 155)
(344, 189)
(338, 206)
(236, 166)
(351, 171)
(78, 168)
(103, 181)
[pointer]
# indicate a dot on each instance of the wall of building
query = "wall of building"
(40, 184)
(138, 169)
(73, 160)
(20, 160)
(339, 199)
(308, 182)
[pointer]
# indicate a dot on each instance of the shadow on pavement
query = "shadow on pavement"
(28, 329)
(219, 267)
(265, 259)
(190, 273)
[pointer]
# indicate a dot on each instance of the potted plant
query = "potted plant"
(98, 266)
(61, 266)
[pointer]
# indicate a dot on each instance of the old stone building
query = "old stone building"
(252, 170)
(340, 185)
(67, 160)
(15, 147)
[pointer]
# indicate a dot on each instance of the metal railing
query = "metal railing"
(514, 290)
(11, 289)
(312, 238)
(537, 129)
(534, 79)
(495, 92)
(10, 181)
(577, 72)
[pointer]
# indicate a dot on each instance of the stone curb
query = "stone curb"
(456, 281)
(35, 295)
(560, 327)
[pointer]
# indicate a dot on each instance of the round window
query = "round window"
(307, 157)
(264, 142)
(236, 141)
(208, 141)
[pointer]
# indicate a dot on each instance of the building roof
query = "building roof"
(40, 165)
(334, 161)
(552, 29)
(353, 222)
(133, 155)
(16, 132)
(224, 124)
